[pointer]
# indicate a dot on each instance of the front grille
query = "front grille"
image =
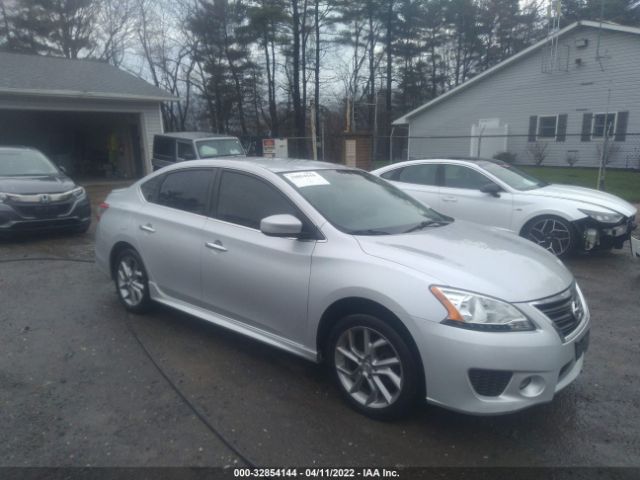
(565, 311)
(489, 383)
(41, 212)
(32, 226)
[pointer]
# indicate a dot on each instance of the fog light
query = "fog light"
(590, 238)
(532, 386)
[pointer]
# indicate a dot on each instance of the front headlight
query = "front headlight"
(79, 192)
(478, 312)
(603, 217)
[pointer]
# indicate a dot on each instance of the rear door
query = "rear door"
(420, 181)
(164, 152)
(253, 278)
(460, 197)
(169, 229)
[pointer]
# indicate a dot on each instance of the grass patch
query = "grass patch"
(623, 183)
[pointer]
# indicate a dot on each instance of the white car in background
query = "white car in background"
(560, 218)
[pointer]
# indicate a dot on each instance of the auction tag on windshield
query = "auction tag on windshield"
(306, 179)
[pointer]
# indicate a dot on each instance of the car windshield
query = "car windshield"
(358, 203)
(16, 163)
(219, 147)
(513, 176)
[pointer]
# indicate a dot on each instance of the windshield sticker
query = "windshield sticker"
(306, 179)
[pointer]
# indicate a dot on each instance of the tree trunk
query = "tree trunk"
(298, 112)
(316, 78)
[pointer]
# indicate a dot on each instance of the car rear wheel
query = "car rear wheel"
(552, 233)
(373, 367)
(132, 283)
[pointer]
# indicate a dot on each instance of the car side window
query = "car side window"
(246, 200)
(163, 147)
(186, 151)
(186, 190)
(419, 174)
(392, 174)
(150, 188)
(459, 176)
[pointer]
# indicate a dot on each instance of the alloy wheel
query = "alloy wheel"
(368, 367)
(130, 280)
(552, 234)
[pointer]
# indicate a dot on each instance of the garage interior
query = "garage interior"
(89, 145)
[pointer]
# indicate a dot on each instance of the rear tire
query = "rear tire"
(552, 233)
(373, 367)
(132, 283)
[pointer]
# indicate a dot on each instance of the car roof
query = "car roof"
(194, 135)
(275, 165)
(13, 148)
(458, 159)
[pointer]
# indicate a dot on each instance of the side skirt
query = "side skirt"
(231, 324)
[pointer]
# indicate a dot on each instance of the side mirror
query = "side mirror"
(281, 226)
(492, 189)
(62, 169)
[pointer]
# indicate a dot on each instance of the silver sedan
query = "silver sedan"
(334, 264)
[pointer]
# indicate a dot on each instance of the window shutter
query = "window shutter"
(533, 126)
(561, 130)
(621, 127)
(586, 127)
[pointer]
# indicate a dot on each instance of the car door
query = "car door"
(259, 280)
(169, 229)
(461, 197)
(420, 181)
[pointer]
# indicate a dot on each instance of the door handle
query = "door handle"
(449, 199)
(148, 228)
(217, 245)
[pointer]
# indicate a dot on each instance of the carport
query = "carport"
(90, 117)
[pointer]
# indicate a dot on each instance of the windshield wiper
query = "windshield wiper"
(369, 231)
(424, 224)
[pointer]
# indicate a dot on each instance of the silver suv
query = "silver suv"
(170, 148)
(334, 264)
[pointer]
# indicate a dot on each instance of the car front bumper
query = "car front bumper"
(594, 235)
(534, 365)
(71, 215)
(635, 247)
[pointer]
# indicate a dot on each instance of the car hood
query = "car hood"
(485, 260)
(586, 196)
(36, 184)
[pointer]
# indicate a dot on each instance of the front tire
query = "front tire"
(373, 367)
(132, 283)
(552, 233)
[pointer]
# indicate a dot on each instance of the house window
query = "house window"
(599, 122)
(547, 126)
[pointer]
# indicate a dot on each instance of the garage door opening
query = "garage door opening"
(89, 145)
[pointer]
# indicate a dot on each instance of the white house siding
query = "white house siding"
(150, 116)
(521, 90)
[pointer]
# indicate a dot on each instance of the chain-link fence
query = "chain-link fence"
(569, 150)
(622, 151)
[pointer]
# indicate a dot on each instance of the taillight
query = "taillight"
(101, 209)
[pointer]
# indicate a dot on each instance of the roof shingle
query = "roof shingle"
(53, 76)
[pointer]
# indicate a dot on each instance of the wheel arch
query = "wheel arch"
(351, 305)
(115, 251)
